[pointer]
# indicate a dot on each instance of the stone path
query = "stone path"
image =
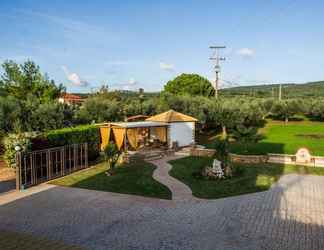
(180, 191)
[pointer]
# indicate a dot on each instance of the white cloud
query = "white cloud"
(129, 85)
(74, 78)
(246, 52)
(167, 66)
(132, 81)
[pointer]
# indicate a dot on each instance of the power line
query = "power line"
(217, 58)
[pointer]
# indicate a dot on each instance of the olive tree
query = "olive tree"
(285, 109)
(316, 110)
(226, 114)
(99, 109)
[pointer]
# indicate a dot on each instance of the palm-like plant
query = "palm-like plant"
(222, 150)
(245, 135)
(111, 153)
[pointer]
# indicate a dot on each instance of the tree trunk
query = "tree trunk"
(286, 120)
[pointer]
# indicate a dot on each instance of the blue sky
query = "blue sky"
(133, 44)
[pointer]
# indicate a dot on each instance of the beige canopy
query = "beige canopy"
(130, 133)
(172, 116)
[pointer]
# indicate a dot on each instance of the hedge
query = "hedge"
(73, 135)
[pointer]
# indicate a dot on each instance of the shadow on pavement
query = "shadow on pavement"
(6, 186)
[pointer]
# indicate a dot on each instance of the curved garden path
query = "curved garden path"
(180, 191)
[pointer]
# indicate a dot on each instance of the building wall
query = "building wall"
(182, 132)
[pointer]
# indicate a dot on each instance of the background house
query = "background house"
(70, 99)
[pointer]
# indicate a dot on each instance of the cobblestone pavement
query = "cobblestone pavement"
(179, 190)
(289, 216)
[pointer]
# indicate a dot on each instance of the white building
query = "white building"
(181, 129)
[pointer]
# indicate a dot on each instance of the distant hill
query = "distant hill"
(125, 94)
(289, 90)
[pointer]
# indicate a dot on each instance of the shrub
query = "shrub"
(16, 142)
(99, 109)
(112, 154)
(76, 135)
(2, 135)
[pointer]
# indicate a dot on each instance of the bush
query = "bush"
(112, 154)
(16, 142)
(76, 135)
(99, 109)
(2, 135)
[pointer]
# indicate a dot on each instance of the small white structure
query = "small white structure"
(181, 128)
(303, 156)
(217, 169)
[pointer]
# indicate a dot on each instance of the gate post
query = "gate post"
(86, 154)
(63, 160)
(18, 170)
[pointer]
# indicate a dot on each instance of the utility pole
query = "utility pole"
(280, 87)
(216, 57)
(272, 92)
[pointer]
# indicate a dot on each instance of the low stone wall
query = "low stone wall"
(203, 152)
(315, 161)
(249, 158)
(281, 158)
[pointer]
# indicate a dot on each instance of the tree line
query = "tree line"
(29, 102)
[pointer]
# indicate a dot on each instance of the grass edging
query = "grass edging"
(134, 178)
(252, 178)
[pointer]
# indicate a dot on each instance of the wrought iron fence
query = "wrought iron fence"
(40, 166)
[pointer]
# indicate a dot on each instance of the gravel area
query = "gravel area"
(289, 216)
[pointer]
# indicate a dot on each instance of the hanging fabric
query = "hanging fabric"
(161, 133)
(119, 134)
(105, 137)
(132, 137)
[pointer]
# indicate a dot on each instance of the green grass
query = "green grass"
(135, 178)
(280, 138)
(249, 179)
(286, 139)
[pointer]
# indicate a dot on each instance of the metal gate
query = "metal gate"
(40, 166)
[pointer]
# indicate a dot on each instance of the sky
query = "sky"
(143, 44)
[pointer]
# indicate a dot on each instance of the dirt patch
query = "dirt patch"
(311, 136)
(5, 172)
(2, 163)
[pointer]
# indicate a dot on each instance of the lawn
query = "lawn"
(135, 178)
(250, 178)
(283, 139)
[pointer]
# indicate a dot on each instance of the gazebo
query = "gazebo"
(168, 129)
(134, 135)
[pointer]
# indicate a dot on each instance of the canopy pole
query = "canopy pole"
(125, 144)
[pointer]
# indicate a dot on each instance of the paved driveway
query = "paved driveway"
(6, 186)
(289, 216)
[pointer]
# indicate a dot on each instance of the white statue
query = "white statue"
(217, 169)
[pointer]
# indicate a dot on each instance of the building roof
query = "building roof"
(137, 117)
(172, 116)
(142, 124)
(68, 96)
